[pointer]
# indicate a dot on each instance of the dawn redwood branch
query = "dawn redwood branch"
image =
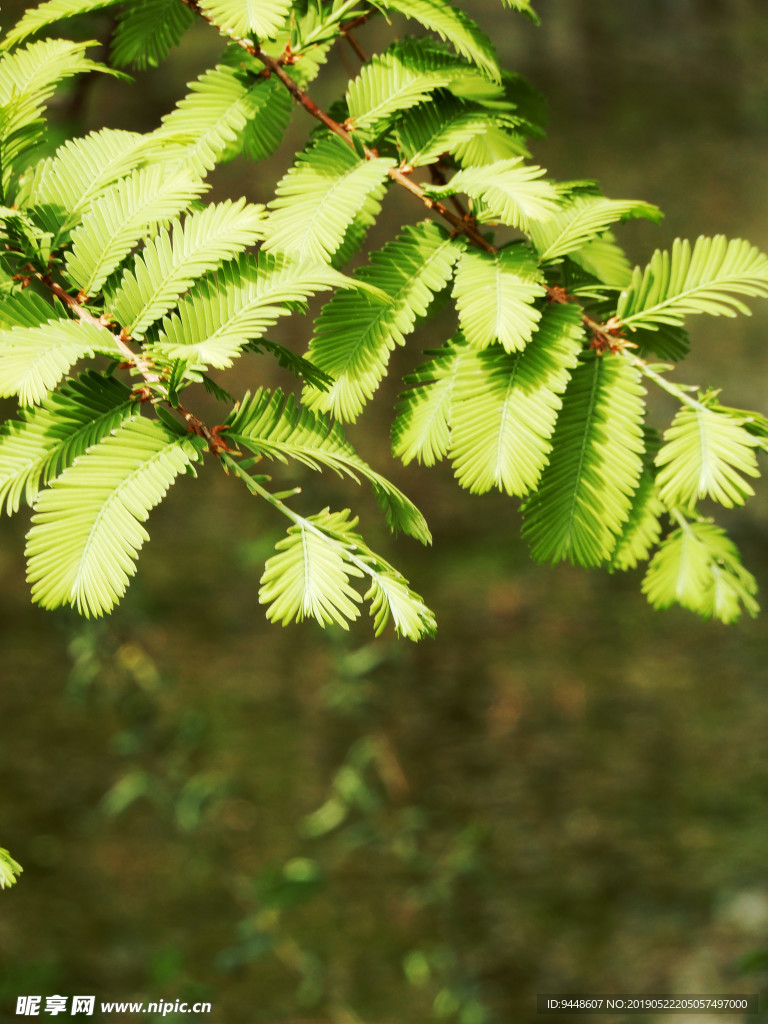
(604, 336)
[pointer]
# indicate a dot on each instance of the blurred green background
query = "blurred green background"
(564, 791)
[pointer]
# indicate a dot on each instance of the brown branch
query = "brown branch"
(275, 67)
(604, 336)
(85, 316)
(347, 33)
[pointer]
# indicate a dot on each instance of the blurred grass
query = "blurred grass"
(564, 791)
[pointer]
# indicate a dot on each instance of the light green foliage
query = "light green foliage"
(86, 528)
(510, 191)
(28, 77)
(170, 263)
(318, 198)
(706, 279)
(147, 30)
(447, 125)
(454, 26)
(261, 18)
(226, 311)
(34, 359)
(504, 407)
(706, 455)
(278, 428)
(495, 297)
(312, 573)
(9, 869)
(581, 221)
(357, 331)
(698, 567)
(585, 493)
(408, 74)
(224, 113)
(112, 262)
(46, 439)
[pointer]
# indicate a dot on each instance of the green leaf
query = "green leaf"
(642, 529)
(170, 263)
(604, 260)
(453, 25)
(311, 576)
(585, 493)
(146, 31)
(511, 190)
(698, 567)
(408, 74)
(120, 217)
(706, 454)
(63, 187)
(9, 869)
(260, 18)
(48, 438)
(581, 221)
(524, 6)
(356, 332)
(87, 528)
(278, 428)
(28, 78)
(225, 113)
(706, 280)
(495, 295)
(225, 311)
(25, 309)
(318, 198)
(504, 406)
(446, 125)
(421, 429)
(34, 359)
(47, 13)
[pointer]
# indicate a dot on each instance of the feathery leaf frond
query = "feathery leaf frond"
(698, 567)
(707, 279)
(120, 217)
(446, 125)
(512, 191)
(28, 78)
(223, 114)
(318, 198)
(25, 310)
(408, 74)
(642, 529)
(34, 359)
(453, 25)
(421, 429)
(605, 260)
(275, 426)
(260, 18)
(585, 493)
(524, 6)
(47, 13)
(355, 333)
(706, 454)
(495, 295)
(48, 438)
(146, 31)
(170, 263)
(504, 406)
(311, 576)
(64, 186)
(582, 220)
(87, 528)
(237, 304)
